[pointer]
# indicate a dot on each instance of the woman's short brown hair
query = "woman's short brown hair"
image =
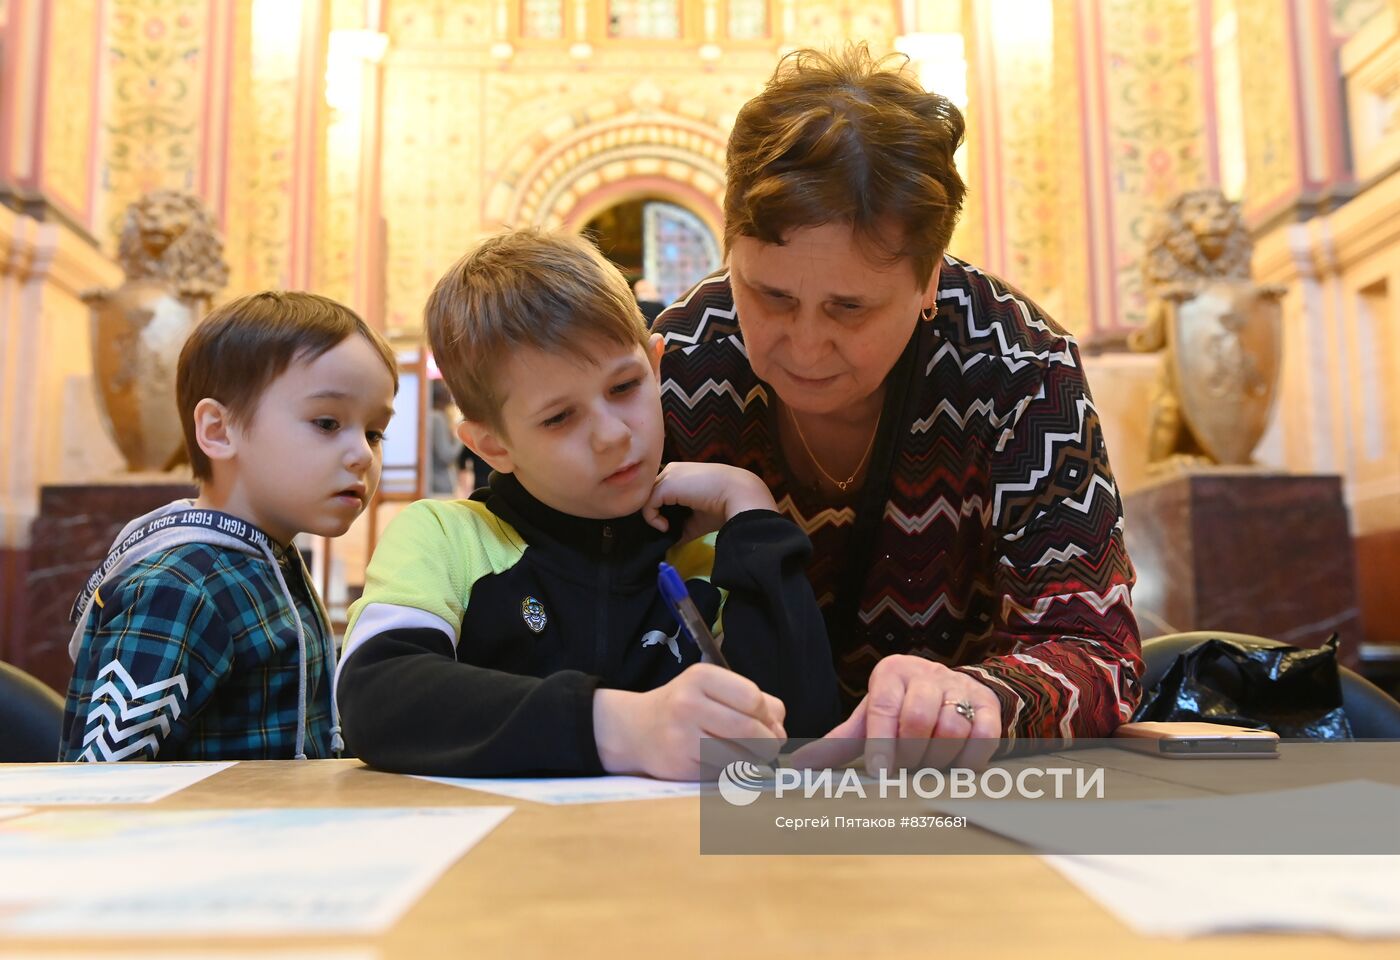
(846, 139)
(234, 353)
(523, 289)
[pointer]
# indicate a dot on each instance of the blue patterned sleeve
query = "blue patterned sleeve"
(152, 657)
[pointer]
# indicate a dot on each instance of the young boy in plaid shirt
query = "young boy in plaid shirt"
(201, 636)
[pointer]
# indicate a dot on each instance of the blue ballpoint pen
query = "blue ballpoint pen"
(683, 609)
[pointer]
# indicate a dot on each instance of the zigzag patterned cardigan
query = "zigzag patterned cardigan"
(989, 533)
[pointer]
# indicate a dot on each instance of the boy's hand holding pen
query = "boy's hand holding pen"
(658, 732)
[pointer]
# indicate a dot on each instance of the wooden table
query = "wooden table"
(626, 880)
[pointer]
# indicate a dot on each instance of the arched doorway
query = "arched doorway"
(656, 238)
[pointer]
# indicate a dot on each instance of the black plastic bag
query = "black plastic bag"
(1292, 691)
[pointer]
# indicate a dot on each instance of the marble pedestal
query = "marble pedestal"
(1247, 552)
(75, 526)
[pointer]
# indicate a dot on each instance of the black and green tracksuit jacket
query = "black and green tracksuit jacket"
(487, 624)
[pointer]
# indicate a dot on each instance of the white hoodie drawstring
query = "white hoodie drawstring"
(301, 651)
(337, 741)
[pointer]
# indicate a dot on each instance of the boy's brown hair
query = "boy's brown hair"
(523, 289)
(844, 138)
(240, 348)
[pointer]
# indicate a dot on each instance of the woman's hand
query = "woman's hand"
(909, 719)
(713, 491)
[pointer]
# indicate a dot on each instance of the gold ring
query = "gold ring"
(964, 708)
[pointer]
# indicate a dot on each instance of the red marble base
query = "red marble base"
(75, 526)
(1246, 552)
(1377, 573)
(13, 564)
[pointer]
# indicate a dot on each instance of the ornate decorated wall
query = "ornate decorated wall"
(357, 146)
(501, 127)
(1340, 406)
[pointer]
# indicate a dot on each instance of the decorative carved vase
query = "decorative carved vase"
(173, 260)
(1221, 333)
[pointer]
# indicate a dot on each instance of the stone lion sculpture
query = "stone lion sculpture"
(1220, 332)
(1200, 236)
(172, 256)
(170, 236)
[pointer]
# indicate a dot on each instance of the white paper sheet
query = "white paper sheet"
(8, 812)
(112, 873)
(40, 784)
(562, 790)
(1185, 896)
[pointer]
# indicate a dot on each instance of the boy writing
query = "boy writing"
(522, 631)
(201, 636)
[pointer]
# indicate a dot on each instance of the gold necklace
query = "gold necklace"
(840, 484)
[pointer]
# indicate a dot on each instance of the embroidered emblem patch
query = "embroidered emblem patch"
(532, 612)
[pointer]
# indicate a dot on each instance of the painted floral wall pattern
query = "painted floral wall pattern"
(1156, 118)
(156, 65)
(68, 111)
(1271, 151)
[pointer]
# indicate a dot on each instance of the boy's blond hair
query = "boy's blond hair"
(523, 289)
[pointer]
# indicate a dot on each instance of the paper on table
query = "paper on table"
(52, 784)
(74, 873)
(561, 790)
(1172, 895)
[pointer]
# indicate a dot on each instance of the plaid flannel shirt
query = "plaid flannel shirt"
(192, 655)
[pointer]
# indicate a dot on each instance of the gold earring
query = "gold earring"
(928, 313)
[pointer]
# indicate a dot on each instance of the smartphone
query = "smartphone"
(1190, 741)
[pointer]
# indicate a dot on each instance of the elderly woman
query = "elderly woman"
(927, 424)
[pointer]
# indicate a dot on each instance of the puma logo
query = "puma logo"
(653, 638)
